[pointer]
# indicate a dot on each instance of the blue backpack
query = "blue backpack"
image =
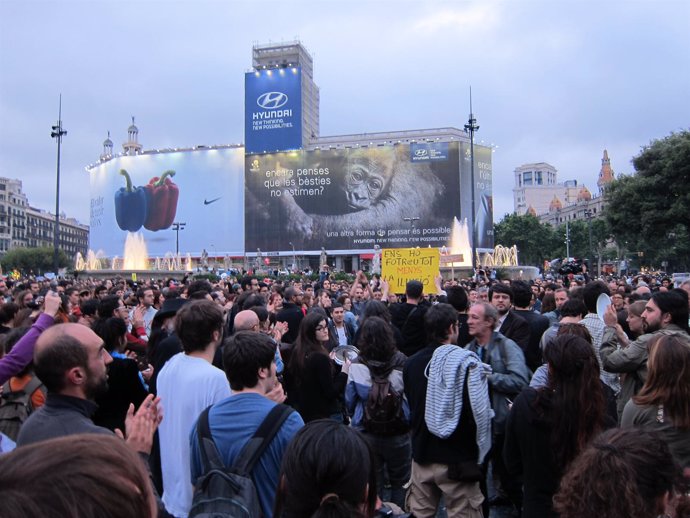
(230, 492)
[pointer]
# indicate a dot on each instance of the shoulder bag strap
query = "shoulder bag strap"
(408, 317)
(263, 436)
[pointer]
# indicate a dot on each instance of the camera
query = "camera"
(571, 266)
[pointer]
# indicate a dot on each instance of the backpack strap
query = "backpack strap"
(210, 458)
(263, 436)
(32, 386)
(22, 395)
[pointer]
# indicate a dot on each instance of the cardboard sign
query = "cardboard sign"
(399, 265)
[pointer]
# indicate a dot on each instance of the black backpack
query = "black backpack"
(383, 410)
(16, 407)
(230, 492)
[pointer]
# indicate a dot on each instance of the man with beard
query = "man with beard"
(71, 361)
(509, 324)
(666, 313)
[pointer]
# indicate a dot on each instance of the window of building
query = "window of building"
(538, 179)
(527, 178)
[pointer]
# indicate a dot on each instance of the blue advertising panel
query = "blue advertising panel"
(202, 188)
(273, 110)
(426, 151)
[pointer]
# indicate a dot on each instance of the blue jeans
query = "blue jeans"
(393, 458)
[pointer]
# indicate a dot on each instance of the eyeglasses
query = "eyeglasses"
(321, 328)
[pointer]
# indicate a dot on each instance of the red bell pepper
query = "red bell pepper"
(163, 194)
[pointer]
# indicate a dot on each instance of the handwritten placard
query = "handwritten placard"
(399, 265)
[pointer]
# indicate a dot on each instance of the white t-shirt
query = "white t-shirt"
(342, 336)
(186, 386)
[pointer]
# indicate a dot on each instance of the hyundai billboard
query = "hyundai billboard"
(273, 110)
(145, 194)
(352, 199)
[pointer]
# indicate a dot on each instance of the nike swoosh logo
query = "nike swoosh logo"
(208, 202)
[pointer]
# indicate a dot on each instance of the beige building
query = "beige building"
(24, 226)
(13, 205)
(40, 231)
(536, 185)
(584, 205)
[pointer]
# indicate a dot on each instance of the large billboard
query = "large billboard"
(273, 110)
(352, 199)
(202, 188)
(483, 192)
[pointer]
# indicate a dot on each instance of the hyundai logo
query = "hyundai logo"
(272, 100)
(420, 152)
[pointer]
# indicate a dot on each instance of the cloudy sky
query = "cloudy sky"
(555, 81)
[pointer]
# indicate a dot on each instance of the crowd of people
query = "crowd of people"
(337, 398)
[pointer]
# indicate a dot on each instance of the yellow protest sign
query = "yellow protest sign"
(399, 265)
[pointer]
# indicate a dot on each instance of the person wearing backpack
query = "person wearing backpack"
(21, 394)
(235, 422)
(375, 398)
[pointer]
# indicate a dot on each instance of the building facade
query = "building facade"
(317, 167)
(13, 205)
(584, 205)
(40, 231)
(535, 187)
(24, 226)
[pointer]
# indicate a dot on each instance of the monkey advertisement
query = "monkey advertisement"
(348, 200)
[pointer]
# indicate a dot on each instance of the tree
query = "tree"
(535, 241)
(649, 212)
(33, 260)
(579, 239)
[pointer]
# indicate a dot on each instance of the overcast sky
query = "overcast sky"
(554, 81)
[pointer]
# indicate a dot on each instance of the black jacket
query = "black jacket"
(409, 319)
(537, 325)
(292, 314)
(427, 448)
(517, 329)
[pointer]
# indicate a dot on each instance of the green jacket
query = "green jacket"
(631, 360)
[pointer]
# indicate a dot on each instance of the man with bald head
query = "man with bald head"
(246, 320)
(71, 361)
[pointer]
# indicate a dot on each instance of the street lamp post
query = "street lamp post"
(294, 257)
(177, 226)
(57, 133)
(472, 127)
(589, 215)
(411, 220)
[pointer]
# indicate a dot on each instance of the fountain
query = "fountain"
(502, 258)
(134, 262)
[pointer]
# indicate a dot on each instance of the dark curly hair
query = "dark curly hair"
(624, 473)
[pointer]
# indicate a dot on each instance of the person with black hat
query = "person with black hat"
(164, 343)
